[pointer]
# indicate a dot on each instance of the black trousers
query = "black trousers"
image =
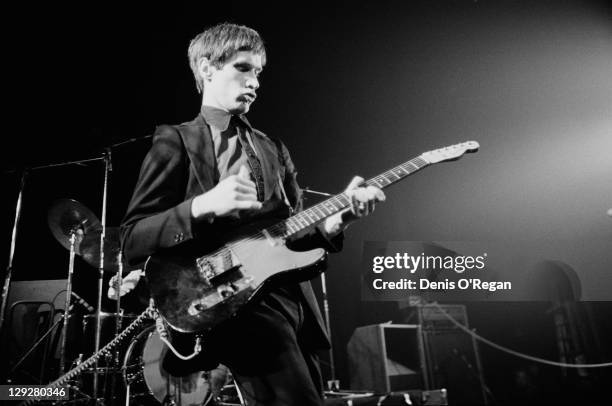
(270, 350)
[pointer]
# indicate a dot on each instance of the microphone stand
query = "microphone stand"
(107, 169)
(9, 268)
(119, 276)
(74, 234)
(118, 325)
(332, 382)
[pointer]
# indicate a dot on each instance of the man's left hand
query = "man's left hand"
(363, 198)
(363, 201)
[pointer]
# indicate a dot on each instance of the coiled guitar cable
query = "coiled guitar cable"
(162, 330)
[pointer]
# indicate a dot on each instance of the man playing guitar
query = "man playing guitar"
(214, 175)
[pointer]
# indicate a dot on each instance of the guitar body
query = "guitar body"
(194, 294)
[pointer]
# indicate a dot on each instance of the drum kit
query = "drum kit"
(133, 372)
(110, 358)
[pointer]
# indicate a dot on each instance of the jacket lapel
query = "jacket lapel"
(199, 146)
(198, 143)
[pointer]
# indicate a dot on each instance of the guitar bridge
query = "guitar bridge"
(215, 264)
(206, 268)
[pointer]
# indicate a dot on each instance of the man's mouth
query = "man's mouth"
(247, 97)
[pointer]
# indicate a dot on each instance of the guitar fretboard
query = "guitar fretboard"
(319, 212)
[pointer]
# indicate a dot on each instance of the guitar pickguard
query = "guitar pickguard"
(195, 294)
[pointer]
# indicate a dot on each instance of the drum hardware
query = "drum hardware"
(73, 385)
(147, 382)
(77, 227)
(140, 371)
(84, 396)
(18, 209)
(73, 241)
(230, 394)
(87, 253)
(108, 325)
(79, 230)
(68, 215)
(90, 249)
(92, 360)
(108, 368)
(69, 222)
(118, 323)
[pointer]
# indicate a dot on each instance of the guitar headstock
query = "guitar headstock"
(451, 152)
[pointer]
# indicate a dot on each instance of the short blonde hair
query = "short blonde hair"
(220, 43)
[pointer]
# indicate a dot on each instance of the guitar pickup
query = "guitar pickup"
(237, 290)
(227, 277)
(227, 290)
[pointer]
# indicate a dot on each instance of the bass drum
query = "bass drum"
(150, 384)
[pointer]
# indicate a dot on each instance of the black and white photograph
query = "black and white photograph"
(306, 204)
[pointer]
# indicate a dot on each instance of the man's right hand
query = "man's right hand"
(232, 194)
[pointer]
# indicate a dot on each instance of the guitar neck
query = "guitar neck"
(319, 212)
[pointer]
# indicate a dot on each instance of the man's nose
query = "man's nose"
(252, 82)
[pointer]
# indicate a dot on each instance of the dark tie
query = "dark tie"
(252, 158)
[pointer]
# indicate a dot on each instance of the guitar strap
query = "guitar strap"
(281, 160)
(282, 188)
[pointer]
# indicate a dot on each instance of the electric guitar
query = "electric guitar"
(194, 294)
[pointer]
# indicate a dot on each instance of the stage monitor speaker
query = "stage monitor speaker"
(451, 353)
(396, 357)
(386, 358)
(454, 364)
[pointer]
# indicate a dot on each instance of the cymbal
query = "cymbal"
(90, 248)
(67, 216)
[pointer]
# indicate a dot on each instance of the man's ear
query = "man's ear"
(205, 69)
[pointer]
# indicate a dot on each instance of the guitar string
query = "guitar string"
(333, 205)
(281, 229)
(399, 172)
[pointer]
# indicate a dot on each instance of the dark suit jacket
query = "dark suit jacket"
(181, 165)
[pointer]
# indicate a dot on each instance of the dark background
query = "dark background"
(351, 89)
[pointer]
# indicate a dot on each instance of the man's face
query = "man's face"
(232, 88)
